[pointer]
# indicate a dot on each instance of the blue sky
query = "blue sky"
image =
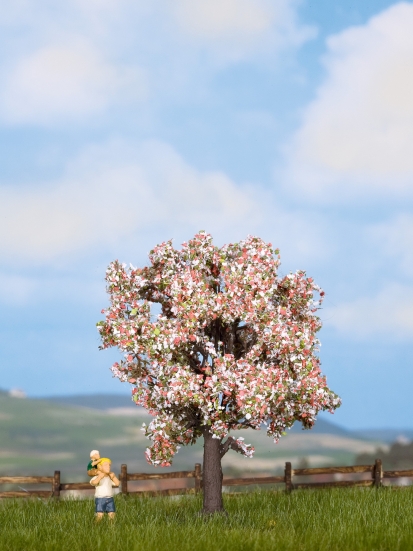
(124, 123)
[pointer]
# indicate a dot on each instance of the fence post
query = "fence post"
(56, 484)
(124, 479)
(288, 476)
(198, 478)
(378, 473)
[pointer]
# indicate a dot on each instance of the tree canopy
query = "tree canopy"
(234, 345)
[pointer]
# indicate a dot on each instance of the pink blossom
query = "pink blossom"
(235, 345)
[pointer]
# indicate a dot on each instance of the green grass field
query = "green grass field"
(321, 520)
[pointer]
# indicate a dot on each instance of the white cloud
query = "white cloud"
(109, 193)
(216, 18)
(119, 195)
(58, 83)
(236, 29)
(394, 240)
(357, 135)
(75, 59)
(389, 314)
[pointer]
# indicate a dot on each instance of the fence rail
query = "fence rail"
(288, 479)
(126, 477)
(397, 474)
(253, 480)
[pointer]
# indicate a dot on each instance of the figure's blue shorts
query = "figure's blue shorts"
(105, 505)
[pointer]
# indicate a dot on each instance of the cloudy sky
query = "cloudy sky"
(124, 123)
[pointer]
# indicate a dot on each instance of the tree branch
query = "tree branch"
(229, 444)
(192, 423)
(248, 425)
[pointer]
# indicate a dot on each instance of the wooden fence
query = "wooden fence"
(126, 477)
(289, 479)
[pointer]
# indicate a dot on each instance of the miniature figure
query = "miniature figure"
(94, 460)
(104, 483)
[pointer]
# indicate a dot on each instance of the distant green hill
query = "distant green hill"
(386, 435)
(322, 426)
(112, 401)
(94, 401)
(39, 436)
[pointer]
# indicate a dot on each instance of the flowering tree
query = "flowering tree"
(234, 346)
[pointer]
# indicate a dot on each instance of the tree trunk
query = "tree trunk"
(212, 474)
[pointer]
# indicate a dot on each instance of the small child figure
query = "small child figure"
(104, 483)
(94, 460)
